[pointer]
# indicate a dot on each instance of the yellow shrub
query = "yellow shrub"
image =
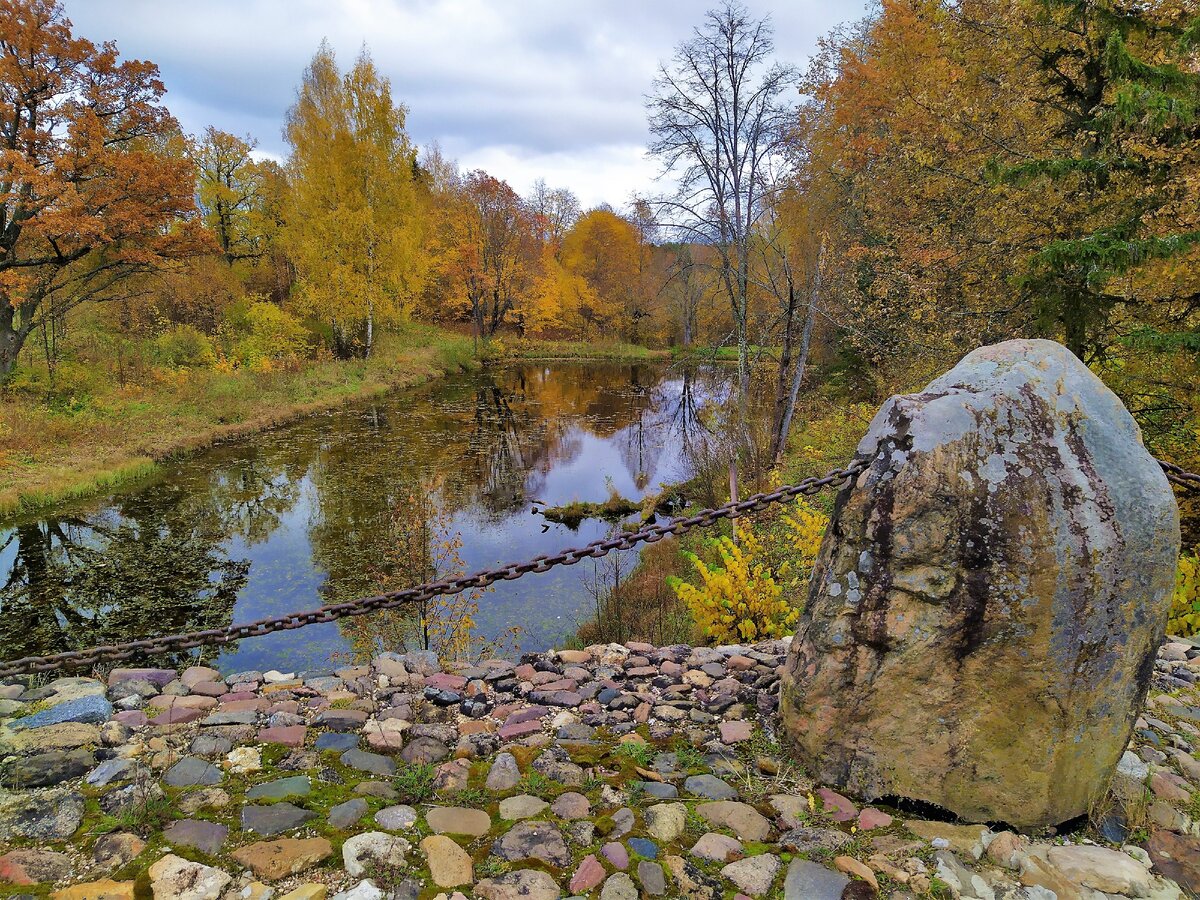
(740, 601)
(748, 596)
(1184, 620)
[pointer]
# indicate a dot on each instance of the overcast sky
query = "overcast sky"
(536, 88)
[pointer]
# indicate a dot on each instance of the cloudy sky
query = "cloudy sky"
(528, 89)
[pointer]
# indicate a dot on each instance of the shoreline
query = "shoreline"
(130, 464)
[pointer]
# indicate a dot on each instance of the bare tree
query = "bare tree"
(719, 121)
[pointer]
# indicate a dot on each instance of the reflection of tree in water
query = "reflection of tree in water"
(497, 444)
(252, 499)
(75, 584)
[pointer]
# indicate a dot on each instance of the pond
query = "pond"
(306, 514)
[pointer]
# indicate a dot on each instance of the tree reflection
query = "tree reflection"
(74, 584)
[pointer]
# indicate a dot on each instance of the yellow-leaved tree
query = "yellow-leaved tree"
(354, 224)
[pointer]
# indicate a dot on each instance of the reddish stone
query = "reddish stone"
(178, 715)
(642, 671)
(501, 713)
(873, 818)
(639, 647)
(210, 688)
(243, 706)
(288, 736)
(476, 726)
(1176, 857)
(840, 808)
(525, 672)
(170, 701)
(589, 874)
(560, 684)
(671, 668)
(642, 713)
(735, 731)
(445, 681)
(616, 854)
(527, 714)
(235, 696)
(286, 706)
(510, 732)
(133, 718)
(739, 663)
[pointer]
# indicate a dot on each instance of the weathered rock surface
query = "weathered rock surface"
(990, 595)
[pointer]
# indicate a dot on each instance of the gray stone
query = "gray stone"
(396, 818)
(555, 763)
(26, 866)
(808, 880)
(49, 816)
(989, 597)
(179, 879)
(809, 840)
(109, 770)
(191, 771)
(709, 787)
(337, 742)
(424, 750)
(652, 879)
(753, 875)
(372, 849)
(92, 710)
(296, 786)
(210, 745)
(230, 717)
(533, 840)
(45, 769)
(522, 806)
(273, 819)
(618, 886)
(504, 773)
(345, 815)
(369, 762)
(207, 837)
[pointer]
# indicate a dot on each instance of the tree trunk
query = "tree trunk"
(805, 342)
(12, 338)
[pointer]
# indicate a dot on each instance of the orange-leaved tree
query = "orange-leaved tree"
(93, 189)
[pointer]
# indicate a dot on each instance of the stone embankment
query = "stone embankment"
(618, 772)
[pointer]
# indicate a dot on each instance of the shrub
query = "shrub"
(742, 598)
(265, 335)
(1185, 604)
(739, 600)
(184, 347)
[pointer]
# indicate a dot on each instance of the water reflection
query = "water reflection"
(301, 515)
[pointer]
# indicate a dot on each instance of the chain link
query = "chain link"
(149, 647)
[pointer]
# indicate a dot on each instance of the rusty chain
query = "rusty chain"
(1179, 476)
(113, 653)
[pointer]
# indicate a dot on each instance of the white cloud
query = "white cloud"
(537, 88)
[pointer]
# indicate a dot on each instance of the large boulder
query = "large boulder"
(984, 613)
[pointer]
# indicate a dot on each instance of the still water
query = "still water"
(302, 515)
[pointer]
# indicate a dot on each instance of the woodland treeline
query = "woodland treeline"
(942, 175)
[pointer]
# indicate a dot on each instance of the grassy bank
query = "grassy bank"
(530, 348)
(61, 448)
(64, 447)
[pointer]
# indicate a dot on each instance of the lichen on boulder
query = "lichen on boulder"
(984, 613)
